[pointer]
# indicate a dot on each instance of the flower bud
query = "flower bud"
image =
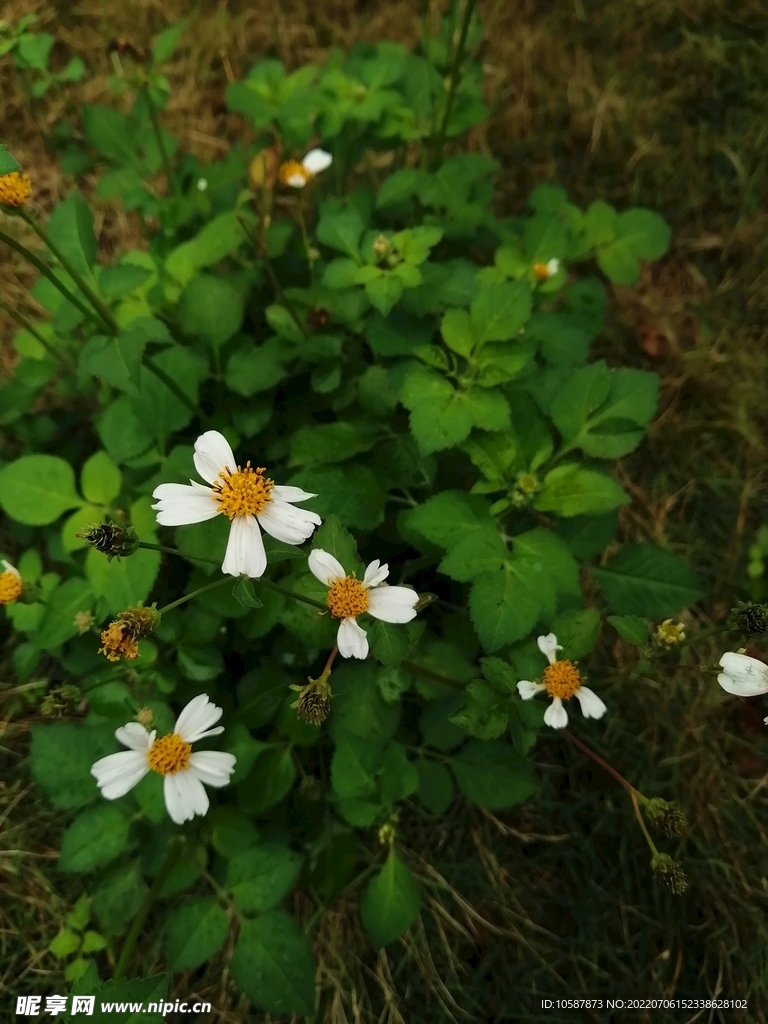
(110, 539)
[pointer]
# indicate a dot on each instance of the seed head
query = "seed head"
(749, 619)
(314, 701)
(668, 817)
(670, 872)
(110, 539)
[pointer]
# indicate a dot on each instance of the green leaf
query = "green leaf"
(70, 228)
(631, 627)
(648, 581)
(220, 237)
(435, 786)
(493, 775)
(212, 308)
(639, 235)
(458, 332)
(500, 310)
(353, 493)
(118, 896)
(64, 943)
(62, 755)
(480, 551)
(274, 966)
(245, 593)
(196, 931)
(123, 582)
(578, 631)
(389, 642)
(58, 624)
(391, 903)
(100, 479)
(352, 768)
(600, 222)
(505, 604)
(37, 489)
(7, 163)
(341, 231)
(333, 538)
(94, 838)
(255, 368)
(164, 44)
(232, 831)
(80, 915)
(445, 518)
(572, 490)
(157, 405)
(93, 942)
(439, 416)
(384, 291)
(271, 779)
(325, 443)
(260, 877)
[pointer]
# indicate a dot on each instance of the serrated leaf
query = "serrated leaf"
(391, 903)
(648, 581)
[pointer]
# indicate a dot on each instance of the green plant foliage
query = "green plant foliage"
(378, 350)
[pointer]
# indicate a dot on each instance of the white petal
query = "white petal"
(375, 573)
(296, 180)
(182, 504)
(198, 716)
(393, 604)
(116, 774)
(7, 567)
(287, 523)
(591, 705)
(553, 266)
(212, 455)
(556, 716)
(317, 160)
(245, 555)
(548, 645)
(135, 736)
(742, 675)
(325, 567)
(287, 493)
(213, 767)
(352, 640)
(527, 689)
(184, 796)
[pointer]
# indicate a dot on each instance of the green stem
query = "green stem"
(305, 240)
(290, 593)
(417, 670)
(46, 271)
(143, 911)
(160, 144)
(175, 551)
(195, 593)
(280, 294)
(634, 793)
(702, 636)
(22, 321)
(458, 57)
(103, 310)
(643, 826)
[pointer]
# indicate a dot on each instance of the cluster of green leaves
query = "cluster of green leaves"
(444, 410)
(31, 53)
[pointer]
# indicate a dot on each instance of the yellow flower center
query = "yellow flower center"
(15, 189)
(118, 639)
(541, 271)
(562, 679)
(347, 598)
(169, 754)
(292, 169)
(10, 587)
(244, 493)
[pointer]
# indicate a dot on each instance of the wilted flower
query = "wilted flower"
(670, 872)
(669, 633)
(543, 271)
(171, 756)
(15, 189)
(11, 586)
(314, 701)
(298, 174)
(750, 619)
(121, 637)
(742, 675)
(668, 817)
(349, 597)
(561, 680)
(248, 499)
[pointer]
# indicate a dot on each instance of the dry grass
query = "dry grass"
(643, 102)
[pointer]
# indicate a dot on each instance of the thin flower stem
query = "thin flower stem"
(22, 321)
(143, 912)
(160, 143)
(195, 593)
(280, 294)
(417, 670)
(703, 635)
(643, 826)
(634, 793)
(46, 271)
(305, 240)
(171, 384)
(101, 308)
(458, 58)
(290, 593)
(174, 551)
(331, 657)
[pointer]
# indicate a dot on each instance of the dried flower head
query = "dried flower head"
(15, 189)
(749, 619)
(314, 701)
(145, 717)
(381, 246)
(668, 817)
(121, 637)
(83, 622)
(670, 872)
(111, 539)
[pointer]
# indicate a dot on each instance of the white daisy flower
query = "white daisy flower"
(245, 496)
(170, 756)
(298, 174)
(561, 680)
(11, 587)
(349, 597)
(544, 271)
(742, 675)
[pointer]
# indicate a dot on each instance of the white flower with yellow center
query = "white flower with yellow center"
(171, 756)
(11, 587)
(543, 271)
(349, 597)
(742, 675)
(561, 680)
(245, 496)
(298, 174)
